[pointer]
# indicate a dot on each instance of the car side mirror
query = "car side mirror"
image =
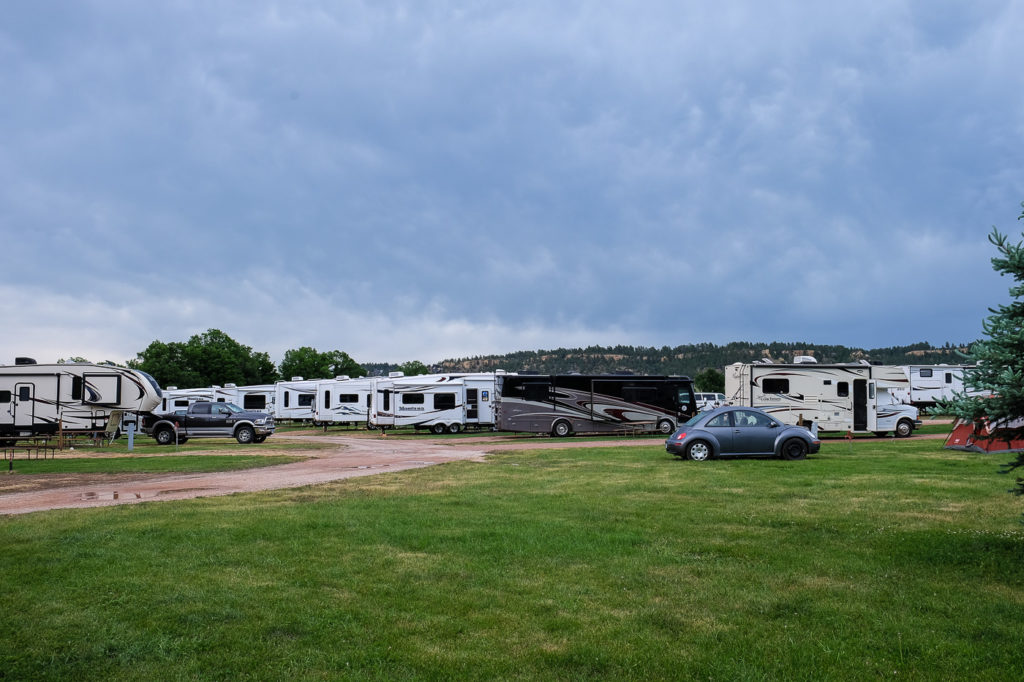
(774, 425)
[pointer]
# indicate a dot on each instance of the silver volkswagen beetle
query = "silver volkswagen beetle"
(744, 431)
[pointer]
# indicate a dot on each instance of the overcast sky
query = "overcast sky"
(427, 180)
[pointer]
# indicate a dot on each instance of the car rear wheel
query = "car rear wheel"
(699, 451)
(164, 436)
(794, 448)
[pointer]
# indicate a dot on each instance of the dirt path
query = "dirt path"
(353, 455)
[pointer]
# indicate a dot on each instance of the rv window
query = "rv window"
(412, 398)
(254, 402)
(221, 400)
(444, 401)
(639, 394)
(949, 377)
(827, 382)
(775, 386)
(871, 391)
(181, 403)
(348, 398)
(843, 389)
(306, 399)
(286, 394)
(24, 393)
(925, 372)
(76, 388)
(5, 396)
(327, 400)
(536, 392)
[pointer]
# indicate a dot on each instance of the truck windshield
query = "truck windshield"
(233, 407)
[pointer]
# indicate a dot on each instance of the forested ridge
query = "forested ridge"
(690, 359)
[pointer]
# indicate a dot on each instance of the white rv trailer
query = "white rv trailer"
(928, 384)
(439, 402)
(293, 400)
(175, 398)
(38, 400)
(842, 397)
(255, 398)
(343, 400)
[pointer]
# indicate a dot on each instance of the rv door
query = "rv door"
(860, 404)
(24, 405)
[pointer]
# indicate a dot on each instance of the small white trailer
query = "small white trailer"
(856, 397)
(39, 400)
(439, 402)
(255, 398)
(928, 384)
(342, 400)
(293, 399)
(175, 399)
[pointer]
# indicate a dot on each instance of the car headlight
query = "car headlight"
(261, 422)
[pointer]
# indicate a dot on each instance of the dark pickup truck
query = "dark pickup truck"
(209, 420)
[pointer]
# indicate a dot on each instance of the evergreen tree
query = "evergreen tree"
(1000, 357)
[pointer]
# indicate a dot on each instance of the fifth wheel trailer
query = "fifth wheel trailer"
(39, 400)
(842, 397)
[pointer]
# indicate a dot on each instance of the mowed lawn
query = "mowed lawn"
(883, 559)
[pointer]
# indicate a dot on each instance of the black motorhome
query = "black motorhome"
(562, 404)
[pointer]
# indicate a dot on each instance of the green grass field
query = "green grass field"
(882, 559)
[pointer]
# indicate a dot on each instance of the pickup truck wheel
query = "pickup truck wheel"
(164, 436)
(904, 428)
(245, 435)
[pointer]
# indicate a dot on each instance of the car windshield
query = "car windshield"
(233, 407)
(695, 418)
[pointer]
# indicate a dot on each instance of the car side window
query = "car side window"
(720, 420)
(744, 418)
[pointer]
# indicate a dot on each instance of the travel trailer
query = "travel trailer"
(579, 403)
(76, 397)
(439, 402)
(928, 384)
(342, 401)
(844, 397)
(293, 400)
(256, 398)
(175, 399)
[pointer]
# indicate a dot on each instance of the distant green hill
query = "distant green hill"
(686, 360)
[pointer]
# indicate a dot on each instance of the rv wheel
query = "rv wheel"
(561, 429)
(665, 427)
(904, 428)
(437, 428)
(164, 436)
(454, 428)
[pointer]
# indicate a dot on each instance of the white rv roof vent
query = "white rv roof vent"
(804, 360)
(341, 377)
(395, 375)
(296, 378)
(170, 388)
(24, 361)
(230, 386)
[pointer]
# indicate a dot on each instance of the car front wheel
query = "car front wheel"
(794, 448)
(699, 451)
(245, 435)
